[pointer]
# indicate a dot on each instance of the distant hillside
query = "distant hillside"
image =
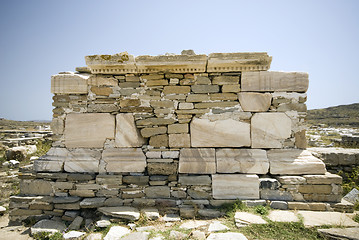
(11, 124)
(343, 115)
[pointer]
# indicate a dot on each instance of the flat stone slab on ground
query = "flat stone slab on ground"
(136, 236)
(226, 236)
(217, 226)
(50, 226)
(192, 224)
(282, 216)
(243, 219)
(73, 235)
(116, 232)
(341, 233)
(311, 219)
(171, 218)
(129, 213)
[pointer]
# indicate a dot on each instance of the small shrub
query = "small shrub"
(351, 180)
(48, 236)
(230, 208)
(262, 210)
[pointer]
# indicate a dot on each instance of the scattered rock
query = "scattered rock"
(279, 205)
(226, 236)
(243, 219)
(198, 235)
(103, 223)
(146, 228)
(14, 163)
(352, 196)
(47, 226)
(116, 232)
(177, 235)
(73, 235)
(151, 213)
(216, 226)
(136, 236)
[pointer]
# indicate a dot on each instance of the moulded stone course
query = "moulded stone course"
(268, 130)
(255, 102)
(124, 160)
(88, 130)
(221, 133)
(231, 160)
(149, 132)
(263, 81)
(69, 83)
(294, 162)
(235, 186)
(197, 160)
(127, 134)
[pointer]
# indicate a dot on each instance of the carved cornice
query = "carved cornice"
(123, 63)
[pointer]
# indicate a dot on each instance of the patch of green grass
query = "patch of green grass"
(356, 218)
(230, 209)
(350, 180)
(281, 231)
(48, 236)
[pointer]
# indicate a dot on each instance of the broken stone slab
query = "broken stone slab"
(197, 160)
(35, 187)
(243, 219)
(294, 162)
(129, 213)
(255, 102)
(217, 226)
(282, 216)
(312, 219)
(127, 134)
(151, 213)
(88, 130)
(220, 133)
(116, 232)
(238, 62)
(226, 236)
(119, 160)
(69, 83)
(264, 81)
(235, 186)
(340, 233)
(352, 196)
(231, 160)
(52, 161)
(49, 226)
(119, 63)
(268, 130)
(72, 235)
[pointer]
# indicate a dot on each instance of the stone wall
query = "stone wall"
(180, 132)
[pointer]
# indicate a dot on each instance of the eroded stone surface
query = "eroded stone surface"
(231, 160)
(88, 130)
(197, 160)
(69, 83)
(235, 186)
(255, 102)
(124, 160)
(221, 133)
(127, 134)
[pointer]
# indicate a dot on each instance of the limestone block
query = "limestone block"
(127, 134)
(124, 160)
(176, 90)
(226, 80)
(149, 132)
(178, 128)
(255, 102)
(197, 98)
(234, 88)
(269, 129)
(83, 160)
(53, 161)
(82, 166)
(264, 81)
(231, 160)
(229, 62)
(179, 140)
(194, 180)
(220, 133)
(88, 130)
(294, 162)
(35, 187)
(327, 178)
(235, 186)
(57, 126)
(205, 88)
(197, 160)
(69, 83)
(159, 141)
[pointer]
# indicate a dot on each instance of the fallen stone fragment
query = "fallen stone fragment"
(352, 196)
(76, 223)
(49, 226)
(226, 236)
(93, 236)
(151, 213)
(311, 219)
(243, 219)
(216, 226)
(116, 232)
(282, 216)
(129, 213)
(72, 235)
(171, 218)
(103, 223)
(191, 224)
(340, 233)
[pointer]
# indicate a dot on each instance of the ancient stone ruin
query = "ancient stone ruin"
(180, 133)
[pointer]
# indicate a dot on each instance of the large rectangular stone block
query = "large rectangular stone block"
(221, 133)
(268, 130)
(197, 160)
(264, 81)
(69, 83)
(294, 162)
(88, 130)
(255, 102)
(52, 161)
(235, 186)
(127, 134)
(231, 160)
(83, 160)
(120, 160)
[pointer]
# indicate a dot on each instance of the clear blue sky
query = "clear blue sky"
(41, 38)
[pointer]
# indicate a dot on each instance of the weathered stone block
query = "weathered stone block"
(127, 134)
(178, 128)
(162, 168)
(176, 90)
(83, 160)
(268, 130)
(101, 91)
(88, 130)
(255, 102)
(327, 178)
(194, 180)
(231, 160)
(221, 133)
(53, 161)
(263, 81)
(157, 192)
(69, 83)
(197, 98)
(35, 187)
(159, 141)
(225, 80)
(235, 88)
(149, 132)
(137, 180)
(205, 88)
(320, 189)
(294, 162)
(197, 160)
(124, 160)
(179, 140)
(235, 186)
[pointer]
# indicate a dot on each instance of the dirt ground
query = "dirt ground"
(13, 232)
